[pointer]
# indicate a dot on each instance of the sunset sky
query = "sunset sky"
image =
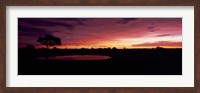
(103, 32)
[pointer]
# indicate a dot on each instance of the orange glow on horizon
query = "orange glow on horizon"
(89, 47)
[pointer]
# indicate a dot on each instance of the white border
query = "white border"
(185, 80)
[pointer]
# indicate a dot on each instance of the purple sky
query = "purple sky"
(103, 32)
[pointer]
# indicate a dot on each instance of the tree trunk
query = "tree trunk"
(47, 52)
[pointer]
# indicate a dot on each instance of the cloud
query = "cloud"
(98, 31)
(153, 30)
(151, 27)
(78, 21)
(126, 20)
(164, 35)
(159, 43)
(31, 31)
(42, 22)
(130, 19)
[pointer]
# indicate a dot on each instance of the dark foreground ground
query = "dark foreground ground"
(123, 62)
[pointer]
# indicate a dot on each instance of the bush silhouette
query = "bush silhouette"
(55, 48)
(114, 48)
(30, 47)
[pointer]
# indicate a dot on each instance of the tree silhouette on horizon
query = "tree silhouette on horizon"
(49, 40)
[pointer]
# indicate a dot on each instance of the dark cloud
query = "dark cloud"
(126, 20)
(60, 31)
(130, 19)
(151, 27)
(153, 30)
(67, 33)
(160, 43)
(152, 23)
(30, 31)
(79, 21)
(164, 35)
(42, 22)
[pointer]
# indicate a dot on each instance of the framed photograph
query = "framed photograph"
(111, 46)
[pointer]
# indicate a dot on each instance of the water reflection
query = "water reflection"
(76, 57)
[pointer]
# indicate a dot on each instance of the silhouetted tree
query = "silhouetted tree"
(108, 48)
(55, 48)
(114, 48)
(49, 41)
(158, 47)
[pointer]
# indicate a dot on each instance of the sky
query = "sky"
(103, 32)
